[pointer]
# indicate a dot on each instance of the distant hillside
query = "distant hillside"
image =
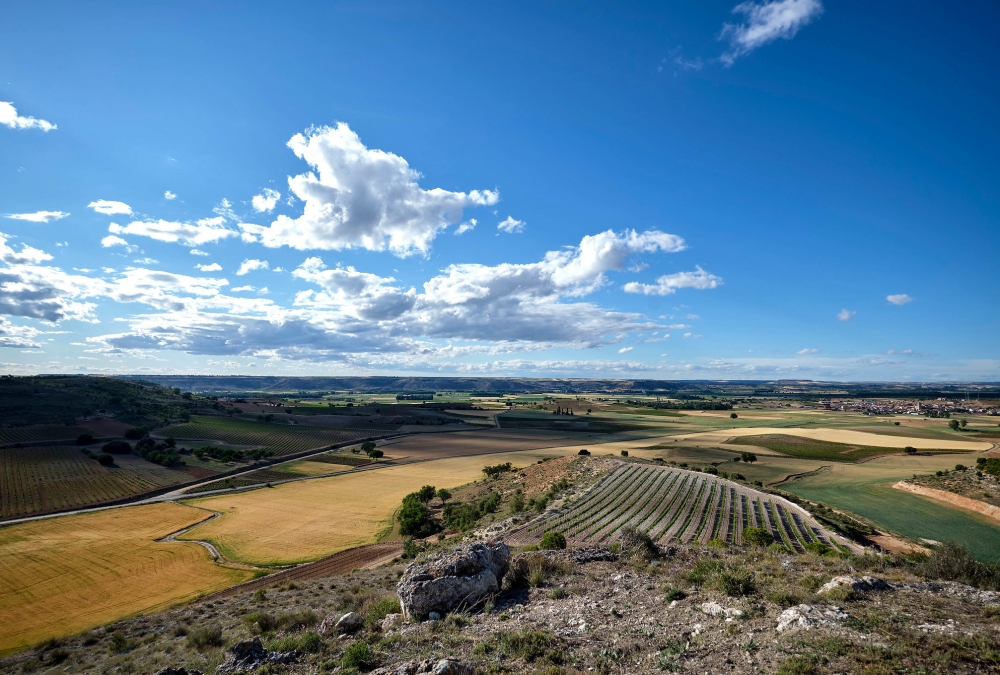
(213, 384)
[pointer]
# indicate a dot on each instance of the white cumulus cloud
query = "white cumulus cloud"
(511, 225)
(169, 195)
(357, 197)
(196, 251)
(110, 208)
(250, 265)
(213, 267)
(669, 283)
(625, 350)
(113, 240)
(899, 299)
(845, 315)
(766, 22)
(10, 118)
(265, 201)
(39, 216)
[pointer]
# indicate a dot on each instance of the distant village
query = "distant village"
(937, 408)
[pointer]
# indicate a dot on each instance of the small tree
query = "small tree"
(910, 450)
(84, 439)
(624, 453)
(105, 459)
(757, 536)
(964, 422)
(367, 447)
(584, 451)
(733, 416)
(553, 540)
(748, 457)
(376, 455)
(426, 493)
(443, 495)
(953, 425)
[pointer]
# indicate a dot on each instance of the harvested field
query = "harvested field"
(37, 480)
(326, 515)
(846, 436)
(282, 438)
(65, 575)
(676, 506)
(486, 441)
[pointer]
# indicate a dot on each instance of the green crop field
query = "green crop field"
(672, 505)
(282, 438)
(42, 480)
(807, 448)
(869, 494)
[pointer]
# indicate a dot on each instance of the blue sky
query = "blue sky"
(795, 189)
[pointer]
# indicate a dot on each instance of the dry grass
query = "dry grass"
(64, 575)
(326, 515)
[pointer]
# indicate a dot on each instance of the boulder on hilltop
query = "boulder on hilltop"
(460, 579)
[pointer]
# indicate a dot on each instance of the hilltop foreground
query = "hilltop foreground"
(631, 609)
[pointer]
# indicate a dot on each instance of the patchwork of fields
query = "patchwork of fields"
(283, 439)
(676, 506)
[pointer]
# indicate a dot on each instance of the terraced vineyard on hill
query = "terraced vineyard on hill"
(674, 505)
(283, 439)
(40, 432)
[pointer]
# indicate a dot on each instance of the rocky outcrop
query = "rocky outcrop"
(429, 666)
(461, 579)
(715, 609)
(858, 584)
(811, 616)
(178, 671)
(349, 623)
(249, 655)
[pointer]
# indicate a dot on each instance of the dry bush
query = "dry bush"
(535, 568)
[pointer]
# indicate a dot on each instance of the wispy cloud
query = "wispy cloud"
(110, 208)
(625, 350)
(10, 118)
(766, 22)
(808, 350)
(845, 314)
(251, 265)
(669, 283)
(899, 299)
(511, 225)
(39, 216)
(467, 226)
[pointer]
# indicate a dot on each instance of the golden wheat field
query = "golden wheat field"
(296, 522)
(307, 468)
(64, 575)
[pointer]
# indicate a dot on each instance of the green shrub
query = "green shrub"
(818, 548)
(209, 636)
(675, 594)
(553, 540)
(757, 536)
(118, 643)
(360, 656)
(584, 451)
(796, 665)
(387, 604)
(735, 582)
(702, 570)
(105, 459)
(85, 439)
(117, 447)
(718, 543)
(261, 622)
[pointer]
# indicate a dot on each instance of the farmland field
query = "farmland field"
(283, 439)
(46, 479)
(810, 448)
(847, 436)
(326, 515)
(673, 505)
(866, 489)
(68, 574)
(41, 432)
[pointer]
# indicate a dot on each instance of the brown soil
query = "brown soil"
(105, 426)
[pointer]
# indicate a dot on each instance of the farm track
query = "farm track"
(676, 506)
